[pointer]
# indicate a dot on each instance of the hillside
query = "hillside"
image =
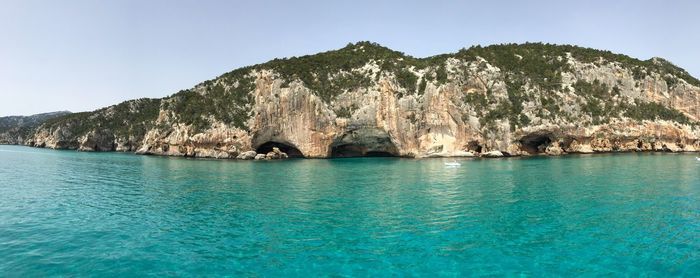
(16, 129)
(365, 99)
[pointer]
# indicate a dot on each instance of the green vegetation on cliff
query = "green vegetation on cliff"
(538, 65)
(654, 111)
(228, 101)
(131, 118)
(331, 73)
(530, 74)
(543, 63)
(16, 129)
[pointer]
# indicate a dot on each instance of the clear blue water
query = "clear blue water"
(105, 214)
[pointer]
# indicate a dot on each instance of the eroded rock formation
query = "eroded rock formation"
(16, 130)
(366, 100)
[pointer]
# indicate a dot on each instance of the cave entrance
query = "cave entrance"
(535, 143)
(354, 150)
(348, 150)
(474, 146)
(364, 142)
(290, 150)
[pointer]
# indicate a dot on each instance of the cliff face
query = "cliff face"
(366, 100)
(116, 128)
(15, 130)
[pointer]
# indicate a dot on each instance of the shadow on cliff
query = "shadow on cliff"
(535, 143)
(365, 142)
(289, 149)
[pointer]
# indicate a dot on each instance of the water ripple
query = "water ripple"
(73, 213)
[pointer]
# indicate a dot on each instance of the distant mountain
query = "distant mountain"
(366, 99)
(15, 129)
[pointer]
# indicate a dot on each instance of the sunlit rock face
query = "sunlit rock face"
(15, 130)
(367, 100)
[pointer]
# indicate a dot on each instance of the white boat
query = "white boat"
(453, 164)
(698, 158)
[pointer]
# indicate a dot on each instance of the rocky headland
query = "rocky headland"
(15, 130)
(368, 100)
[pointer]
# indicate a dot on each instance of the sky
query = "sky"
(83, 55)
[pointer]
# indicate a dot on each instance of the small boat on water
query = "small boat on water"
(697, 158)
(453, 164)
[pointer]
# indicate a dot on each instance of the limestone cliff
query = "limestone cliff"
(15, 130)
(366, 100)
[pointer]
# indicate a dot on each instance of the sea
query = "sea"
(84, 214)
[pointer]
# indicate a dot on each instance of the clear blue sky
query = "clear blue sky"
(83, 55)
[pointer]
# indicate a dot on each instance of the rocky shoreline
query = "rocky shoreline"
(540, 143)
(279, 155)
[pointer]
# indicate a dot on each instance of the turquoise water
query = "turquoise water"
(106, 214)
